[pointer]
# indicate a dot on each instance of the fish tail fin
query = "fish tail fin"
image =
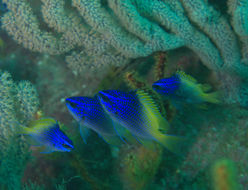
(213, 97)
(172, 143)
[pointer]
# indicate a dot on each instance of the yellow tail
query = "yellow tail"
(172, 143)
(213, 97)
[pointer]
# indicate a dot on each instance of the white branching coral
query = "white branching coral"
(17, 102)
(103, 32)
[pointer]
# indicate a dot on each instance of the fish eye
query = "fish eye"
(105, 98)
(158, 87)
(73, 104)
(66, 146)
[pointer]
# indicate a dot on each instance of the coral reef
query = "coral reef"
(27, 97)
(14, 152)
(212, 134)
(138, 165)
(113, 32)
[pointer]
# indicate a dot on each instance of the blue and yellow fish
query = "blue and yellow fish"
(89, 113)
(46, 132)
(137, 112)
(185, 89)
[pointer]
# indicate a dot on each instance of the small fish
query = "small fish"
(137, 112)
(46, 132)
(89, 113)
(183, 88)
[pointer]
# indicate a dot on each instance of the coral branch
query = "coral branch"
(102, 33)
(17, 101)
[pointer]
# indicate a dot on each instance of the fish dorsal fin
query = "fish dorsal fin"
(183, 75)
(147, 101)
(46, 121)
(152, 111)
(24, 130)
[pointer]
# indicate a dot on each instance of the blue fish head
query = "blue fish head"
(90, 113)
(58, 140)
(85, 108)
(77, 107)
(167, 86)
(108, 99)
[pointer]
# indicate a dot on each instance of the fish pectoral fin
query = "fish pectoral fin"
(112, 140)
(84, 132)
(124, 134)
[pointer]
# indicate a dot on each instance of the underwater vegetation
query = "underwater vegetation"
(139, 78)
(19, 102)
